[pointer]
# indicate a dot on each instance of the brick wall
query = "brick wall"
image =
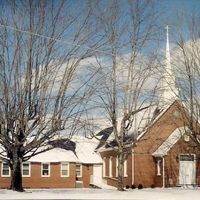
(113, 180)
(55, 180)
(145, 164)
(87, 171)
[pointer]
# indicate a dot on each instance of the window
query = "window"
(64, 169)
(104, 167)
(117, 166)
(26, 169)
(45, 169)
(186, 137)
(5, 170)
(125, 168)
(110, 167)
(176, 114)
(78, 170)
(187, 157)
(158, 167)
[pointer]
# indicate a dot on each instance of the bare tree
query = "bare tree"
(42, 44)
(121, 89)
(186, 61)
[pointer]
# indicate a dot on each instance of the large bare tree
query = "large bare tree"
(122, 87)
(42, 44)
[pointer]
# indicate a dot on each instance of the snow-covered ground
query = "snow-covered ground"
(144, 194)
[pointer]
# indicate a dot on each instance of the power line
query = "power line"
(52, 38)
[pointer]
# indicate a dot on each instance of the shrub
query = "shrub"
(140, 186)
(127, 186)
(152, 186)
(133, 186)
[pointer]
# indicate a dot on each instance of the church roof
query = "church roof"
(164, 148)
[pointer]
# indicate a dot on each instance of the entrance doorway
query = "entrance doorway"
(97, 174)
(187, 169)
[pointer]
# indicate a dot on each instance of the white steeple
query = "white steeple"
(168, 86)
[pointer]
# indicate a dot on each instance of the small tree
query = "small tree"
(186, 62)
(42, 44)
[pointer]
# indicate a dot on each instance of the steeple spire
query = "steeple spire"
(169, 90)
(168, 61)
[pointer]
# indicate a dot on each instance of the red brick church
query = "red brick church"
(164, 155)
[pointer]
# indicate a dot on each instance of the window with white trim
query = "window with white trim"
(45, 169)
(26, 169)
(125, 168)
(117, 166)
(158, 167)
(78, 170)
(64, 169)
(110, 166)
(186, 137)
(5, 170)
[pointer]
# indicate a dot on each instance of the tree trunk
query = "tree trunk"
(16, 175)
(120, 185)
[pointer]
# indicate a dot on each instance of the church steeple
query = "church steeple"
(168, 84)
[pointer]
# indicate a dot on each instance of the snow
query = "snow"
(144, 194)
(55, 155)
(84, 151)
(170, 141)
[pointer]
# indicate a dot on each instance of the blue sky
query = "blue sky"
(172, 7)
(176, 13)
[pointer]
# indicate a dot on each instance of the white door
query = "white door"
(97, 174)
(187, 169)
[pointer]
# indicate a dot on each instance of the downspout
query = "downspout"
(133, 167)
(163, 171)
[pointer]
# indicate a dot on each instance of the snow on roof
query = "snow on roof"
(141, 121)
(84, 151)
(55, 155)
(169, 142)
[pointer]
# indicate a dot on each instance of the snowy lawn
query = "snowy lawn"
(144, 194)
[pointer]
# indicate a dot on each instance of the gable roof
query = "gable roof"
(164, 148)
(141, 121)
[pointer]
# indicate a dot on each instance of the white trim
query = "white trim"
(61, 169)
(110, 167)
(2, 164)
(29, 169)
(49, 169)
(80, 170)
(163, 170)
